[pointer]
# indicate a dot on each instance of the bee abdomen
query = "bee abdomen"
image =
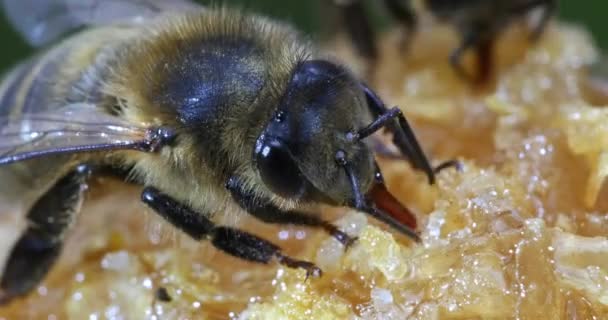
(10, 87)
(70, 72)
(29, 88)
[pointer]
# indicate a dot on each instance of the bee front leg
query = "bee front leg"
(403, 135)
(269, 213)
(230, 240)
(39, 247)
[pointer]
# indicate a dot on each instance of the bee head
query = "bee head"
(295, 155)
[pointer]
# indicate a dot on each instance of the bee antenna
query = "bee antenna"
(377, 124)
(361, 204)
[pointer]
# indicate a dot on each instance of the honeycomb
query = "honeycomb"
(518, 233)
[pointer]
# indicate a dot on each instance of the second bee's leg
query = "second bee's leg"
(39, 247)
(403, 13)
(269, 213)
(481, 39)
(358, 27)
(485, 61)
(470, 40)
(230, 240)
(549, 7)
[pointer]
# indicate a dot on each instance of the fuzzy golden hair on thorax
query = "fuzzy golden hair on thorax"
(144, 64)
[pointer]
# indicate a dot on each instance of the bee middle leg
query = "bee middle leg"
(233, 241)
(269, 213)
(40, 245)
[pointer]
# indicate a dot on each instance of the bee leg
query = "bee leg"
(470, 40)
(403, 135)
(382, 150)
(359, 28)
(485, 60)
(549, 7)
(269, 213)
(230, 240)
(404, 14)
(39, 247)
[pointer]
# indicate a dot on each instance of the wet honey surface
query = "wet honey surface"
(518, 233)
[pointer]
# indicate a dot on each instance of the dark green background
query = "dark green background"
(305, 14)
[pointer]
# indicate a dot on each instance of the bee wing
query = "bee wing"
(72, 129)
(42, 21)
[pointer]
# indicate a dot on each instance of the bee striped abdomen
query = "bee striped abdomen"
(10, 87)
(30, 87)
(71, 72)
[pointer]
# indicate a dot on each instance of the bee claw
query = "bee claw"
(342, 237)
(346, 240)
(449, 164)
(314, 272)
(311, 269)
(349, 243)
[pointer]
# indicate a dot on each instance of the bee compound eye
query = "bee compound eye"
(278, 169)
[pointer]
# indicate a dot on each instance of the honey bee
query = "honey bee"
(479, 22)
(211, 110)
